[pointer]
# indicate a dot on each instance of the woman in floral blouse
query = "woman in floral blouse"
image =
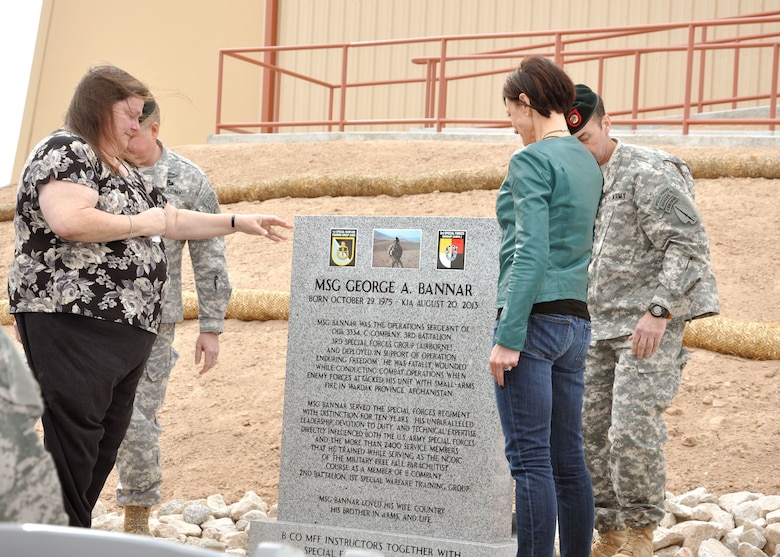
(89, 275)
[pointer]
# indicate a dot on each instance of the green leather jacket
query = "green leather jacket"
(546, 208)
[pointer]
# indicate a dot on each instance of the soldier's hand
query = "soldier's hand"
(207, 346)
(647, 335)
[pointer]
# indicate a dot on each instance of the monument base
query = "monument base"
(332, 541)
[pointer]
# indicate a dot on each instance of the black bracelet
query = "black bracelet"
(233, 221)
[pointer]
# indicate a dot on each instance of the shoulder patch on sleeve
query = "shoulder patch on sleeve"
(669, 201)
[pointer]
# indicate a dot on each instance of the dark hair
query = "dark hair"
(599, 111)
(548, 87)
(151, 112)
(90, 114)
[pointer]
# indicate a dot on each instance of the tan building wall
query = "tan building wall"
(173, 46)
(329, 21)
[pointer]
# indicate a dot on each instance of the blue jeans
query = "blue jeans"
(540, 408)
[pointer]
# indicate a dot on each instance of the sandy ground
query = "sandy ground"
(222, 430)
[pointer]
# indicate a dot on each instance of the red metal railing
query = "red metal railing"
(566, 47)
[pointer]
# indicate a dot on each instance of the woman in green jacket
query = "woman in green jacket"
(546, 208)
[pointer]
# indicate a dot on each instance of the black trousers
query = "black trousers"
(88, 370)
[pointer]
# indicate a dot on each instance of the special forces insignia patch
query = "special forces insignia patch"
(452, 250)
(342, 247)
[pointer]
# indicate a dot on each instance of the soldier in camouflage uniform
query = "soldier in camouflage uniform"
(186, 187)
(395, 251)
(30, 489)
(649, 274)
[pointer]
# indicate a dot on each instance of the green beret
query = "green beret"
(584, 106)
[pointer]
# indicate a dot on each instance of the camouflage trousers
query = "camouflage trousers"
(624, 428)
(138, 461)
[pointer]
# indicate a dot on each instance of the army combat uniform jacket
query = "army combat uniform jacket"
(649, 244)
(187, 187)
(30, 489)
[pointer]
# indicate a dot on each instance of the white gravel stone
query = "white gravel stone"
(697, 524)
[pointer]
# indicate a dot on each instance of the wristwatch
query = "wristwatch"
(657, 310)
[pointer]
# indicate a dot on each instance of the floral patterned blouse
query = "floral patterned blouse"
(123, 281)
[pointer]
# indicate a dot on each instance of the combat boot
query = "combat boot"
(608, 543)
(137, 520)
(639, 543)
